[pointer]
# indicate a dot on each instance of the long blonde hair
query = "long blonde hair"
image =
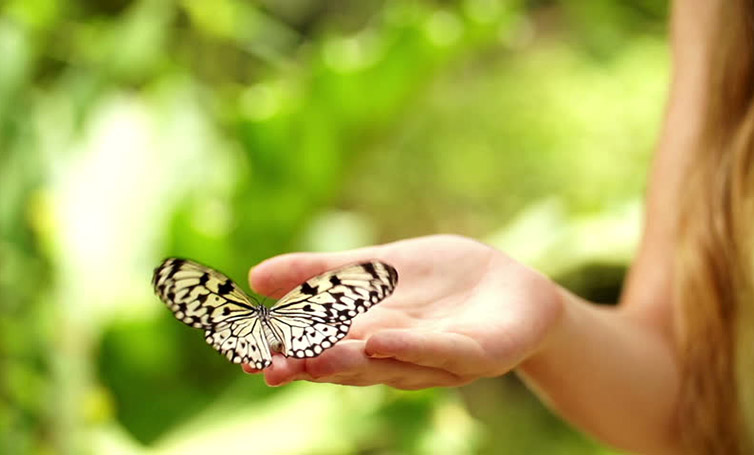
(715, 282)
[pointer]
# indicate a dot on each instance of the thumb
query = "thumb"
(276, 276)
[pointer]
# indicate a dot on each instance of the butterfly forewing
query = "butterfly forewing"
(318, 313)
(197, 294)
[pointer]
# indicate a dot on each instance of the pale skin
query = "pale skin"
(464, 310)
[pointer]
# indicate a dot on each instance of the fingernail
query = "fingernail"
(378, 356)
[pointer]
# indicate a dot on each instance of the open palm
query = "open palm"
(461, 310)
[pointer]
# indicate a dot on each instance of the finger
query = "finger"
(275, 276)
(280, 372)
(452, 352)
(353, 367)
(284, 370)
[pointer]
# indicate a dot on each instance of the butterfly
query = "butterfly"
(303, 323)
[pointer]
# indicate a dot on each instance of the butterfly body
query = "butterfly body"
(276, 345)
(303, 323)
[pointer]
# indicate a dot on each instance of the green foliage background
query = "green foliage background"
(231, 131)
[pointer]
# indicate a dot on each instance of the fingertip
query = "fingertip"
(282, 371)
(269, 275)
(345, 356)
(387, 344)
(274, 383)
(275, 375)
(258, 278)
(275, 275)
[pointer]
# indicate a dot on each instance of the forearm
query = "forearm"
(610, 375)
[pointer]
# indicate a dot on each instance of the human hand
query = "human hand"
(462, 310)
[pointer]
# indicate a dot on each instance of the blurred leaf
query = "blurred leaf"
(232, 131)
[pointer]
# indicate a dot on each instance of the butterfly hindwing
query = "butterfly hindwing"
(318, 313)
(304, 337)
(242, 341)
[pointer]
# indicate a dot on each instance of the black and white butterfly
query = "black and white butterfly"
(306, 321)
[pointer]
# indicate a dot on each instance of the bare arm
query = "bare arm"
(614, 372)
(612, 375)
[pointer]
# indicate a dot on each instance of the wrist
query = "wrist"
(559, 332)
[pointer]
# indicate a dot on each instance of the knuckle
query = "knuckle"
(319, 370)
